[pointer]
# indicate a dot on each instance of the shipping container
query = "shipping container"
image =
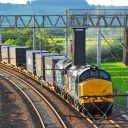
(40, 64)
(1, 51)
(5, 53)
(18, 55)
(50, 62)
(30, 60)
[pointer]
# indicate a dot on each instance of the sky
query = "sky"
(108, 2)
(96, 2)
(13, 1)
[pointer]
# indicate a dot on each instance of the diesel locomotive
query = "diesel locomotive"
(88, 88)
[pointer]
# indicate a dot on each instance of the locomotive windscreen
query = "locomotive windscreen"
(91, 73)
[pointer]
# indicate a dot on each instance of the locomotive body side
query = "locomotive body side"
(60, 75)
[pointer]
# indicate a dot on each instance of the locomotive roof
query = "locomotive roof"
(78, 70)
(56, 57)
(64, 63)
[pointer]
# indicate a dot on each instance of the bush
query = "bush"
(110, 52)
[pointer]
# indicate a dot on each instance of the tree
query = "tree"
(23, 37)
(10, 41)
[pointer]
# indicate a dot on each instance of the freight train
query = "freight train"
(88, 88)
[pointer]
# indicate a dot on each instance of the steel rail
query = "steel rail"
(40, 95)
(30, 101)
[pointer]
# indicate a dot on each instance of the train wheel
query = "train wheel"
(84, 111)
(76, 103)
(65, 96)
(79, 107)
(108, 113)
(68, 99)
(56, 90)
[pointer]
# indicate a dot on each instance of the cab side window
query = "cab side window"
(84, 76)
(104, 75)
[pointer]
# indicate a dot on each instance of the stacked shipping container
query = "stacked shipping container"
(31, 60)
(18, 55)
(50, 63)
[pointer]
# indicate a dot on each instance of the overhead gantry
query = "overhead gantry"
(76, 19)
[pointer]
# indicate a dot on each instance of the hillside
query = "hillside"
(43, 7)
(59, 2)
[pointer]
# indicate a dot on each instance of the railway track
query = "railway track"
(14, 111)
(111, 122)
(38, 103)
(71, 117)
(20, 89)
(116, 120)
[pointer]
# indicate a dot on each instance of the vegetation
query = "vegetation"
(23, 37)
(119, 75)
(110, 51)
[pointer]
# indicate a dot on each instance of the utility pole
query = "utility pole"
(66, 36)
(98, 44)
(0, 36)
(41, 63)
(0, 31)
(34, 33)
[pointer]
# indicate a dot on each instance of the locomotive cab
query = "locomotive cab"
(90, 86)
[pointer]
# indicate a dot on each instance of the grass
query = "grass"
(119, 75)
(56, 39)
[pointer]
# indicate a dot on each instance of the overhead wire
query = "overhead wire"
(115, 58)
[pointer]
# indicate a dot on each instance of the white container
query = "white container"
(18, 55)
(5, 54)
(31, 61)
(50, 63)
(40, 64)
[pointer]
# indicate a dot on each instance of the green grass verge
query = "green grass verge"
(119, 75)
